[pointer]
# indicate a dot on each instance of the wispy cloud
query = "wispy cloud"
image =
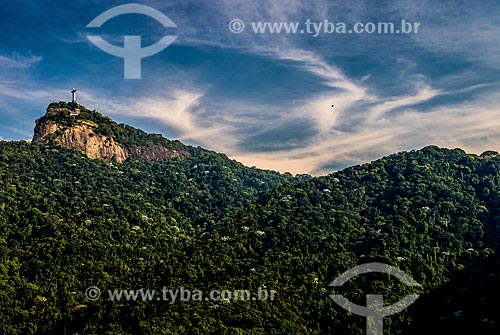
(331, 143)
(178, 111)
(17, 61)
(424, 93)
(467, 32)
(473, 126)
(340, 91)
(29, 91)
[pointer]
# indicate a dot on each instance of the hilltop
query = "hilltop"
(73, 126)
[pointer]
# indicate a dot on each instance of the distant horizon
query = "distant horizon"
(231, 83)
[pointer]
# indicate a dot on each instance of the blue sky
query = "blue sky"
(265, 99)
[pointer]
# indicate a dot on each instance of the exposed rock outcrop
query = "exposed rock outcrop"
(63, 126)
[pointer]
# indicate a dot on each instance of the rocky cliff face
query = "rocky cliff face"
(65, 126)
(83, 138)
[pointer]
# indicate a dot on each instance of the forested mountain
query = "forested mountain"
(198, 220)
(433, 213)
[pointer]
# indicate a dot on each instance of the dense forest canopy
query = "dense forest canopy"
(206, 222)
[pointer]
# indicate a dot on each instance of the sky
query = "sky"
(265, 99)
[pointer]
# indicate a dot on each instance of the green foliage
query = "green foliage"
(206, 222)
